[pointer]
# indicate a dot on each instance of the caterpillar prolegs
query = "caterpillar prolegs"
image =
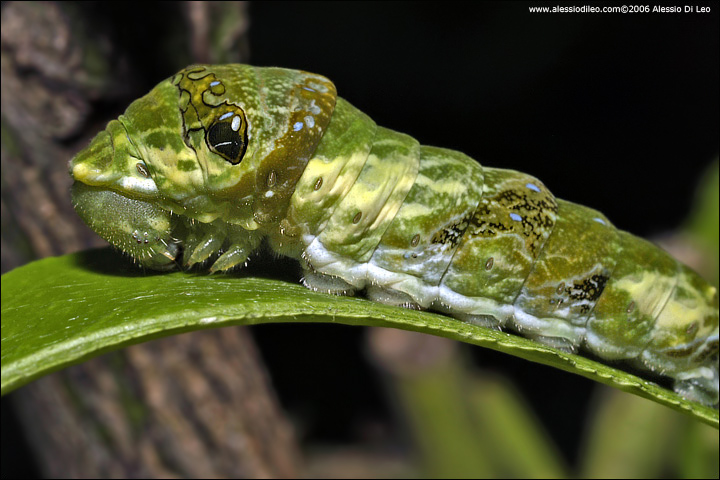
(218, 158)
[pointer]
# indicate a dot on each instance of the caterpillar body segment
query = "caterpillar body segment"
(218, 158)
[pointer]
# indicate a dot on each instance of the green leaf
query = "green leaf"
(60, 311)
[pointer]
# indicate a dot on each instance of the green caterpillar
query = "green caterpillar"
(217, 158)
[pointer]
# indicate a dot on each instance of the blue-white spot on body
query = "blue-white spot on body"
(298, 126)
(212, 84)
(516, 217)
(227, 115)
(318, 87)
(599, 220)
(309, 121)
(533, 187)
(235, 125)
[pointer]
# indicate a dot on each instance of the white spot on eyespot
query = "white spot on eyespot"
(308, 89)
(227, 115)
(533, 187)
(212, 84)
(235, 125)
(309, 121)
(298, 126)
(516, 217)
(599, 220)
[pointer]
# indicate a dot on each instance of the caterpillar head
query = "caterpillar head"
(225, 142)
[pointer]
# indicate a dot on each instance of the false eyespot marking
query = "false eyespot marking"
(203, 108)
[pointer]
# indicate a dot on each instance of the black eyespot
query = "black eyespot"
(228, 138)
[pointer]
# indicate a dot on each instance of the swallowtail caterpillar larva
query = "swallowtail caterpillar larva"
(217, 158)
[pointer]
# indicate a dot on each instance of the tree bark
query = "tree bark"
(190, 406)
(194, 405)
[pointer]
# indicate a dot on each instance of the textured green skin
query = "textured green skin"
(364, 207)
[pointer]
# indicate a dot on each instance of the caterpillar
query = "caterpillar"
(219, 158)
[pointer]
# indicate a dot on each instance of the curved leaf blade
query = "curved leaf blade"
(60, 311)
